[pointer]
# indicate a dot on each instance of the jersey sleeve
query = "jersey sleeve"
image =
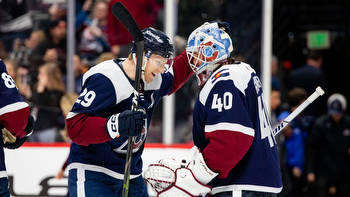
(228, 128)
(86, 121)
(181, 70)
(14, 112)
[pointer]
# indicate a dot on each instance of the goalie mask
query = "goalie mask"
(156, 42)
(208, 46)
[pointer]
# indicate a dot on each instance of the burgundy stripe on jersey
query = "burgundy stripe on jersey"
(182, 71)
(16, 121)
(85, 130)
(225, 150)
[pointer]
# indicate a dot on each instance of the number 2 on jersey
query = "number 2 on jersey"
(86, 97)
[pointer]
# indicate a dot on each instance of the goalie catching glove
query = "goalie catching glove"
(168, 178)
(126, 123)
(12, 142)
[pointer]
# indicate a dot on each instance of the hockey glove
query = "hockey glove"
(168, 178)
(12, 142)
(126, 123)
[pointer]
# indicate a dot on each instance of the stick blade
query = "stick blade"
(124, 16)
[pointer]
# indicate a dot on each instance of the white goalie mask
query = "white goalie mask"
(207, 47)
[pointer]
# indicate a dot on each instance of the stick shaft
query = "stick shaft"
(318, 92)
(124, 16)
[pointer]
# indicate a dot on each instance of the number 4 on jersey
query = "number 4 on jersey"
(224, 102)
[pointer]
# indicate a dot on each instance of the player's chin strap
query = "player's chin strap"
(147, 55)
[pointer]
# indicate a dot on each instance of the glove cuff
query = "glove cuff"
(200, 169)
(112, 126)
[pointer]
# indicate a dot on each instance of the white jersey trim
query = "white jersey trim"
(71, 115)
(80, 182)
(230, 127)
(240, 74)
(13, 107)
(81, 166)
(257, 188)
(3, 174)
(113, 72)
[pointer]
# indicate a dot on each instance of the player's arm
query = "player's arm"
(181, 70)
(14, 112)
(228, 128)
(84, 124)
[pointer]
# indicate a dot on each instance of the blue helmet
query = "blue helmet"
(157, 42)
(207, 46)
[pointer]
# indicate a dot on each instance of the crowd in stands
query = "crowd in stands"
(314, 148)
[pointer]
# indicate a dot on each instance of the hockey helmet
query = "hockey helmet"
(157, 42)
(207, 46)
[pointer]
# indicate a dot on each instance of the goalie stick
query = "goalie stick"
(123, 15)
(318, 92)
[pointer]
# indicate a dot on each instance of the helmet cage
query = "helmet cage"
(207, 46)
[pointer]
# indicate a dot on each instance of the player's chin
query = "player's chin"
(149, 78)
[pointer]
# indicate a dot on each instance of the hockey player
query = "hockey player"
(235, 153)
(101, 119)
(15, 122)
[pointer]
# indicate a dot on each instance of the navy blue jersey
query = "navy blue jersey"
(107, 90)
(233, 131)
(14, 112)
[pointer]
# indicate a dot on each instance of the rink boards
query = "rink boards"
(32, 168)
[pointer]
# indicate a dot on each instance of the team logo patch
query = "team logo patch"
(222, 73)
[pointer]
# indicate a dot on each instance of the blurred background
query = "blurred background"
(47, 46)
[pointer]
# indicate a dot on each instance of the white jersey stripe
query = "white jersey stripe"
(230, 127)
(99, 169)
(113, 72)
(13, 107)
(257, 188)
(80, 182)
(3, 174)
(237, 194)
(71, 115)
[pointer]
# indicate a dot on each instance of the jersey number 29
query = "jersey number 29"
(86, 97)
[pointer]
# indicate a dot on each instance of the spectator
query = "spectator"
(46, 96)
(145, 13)
(53, 48)
(309, 77)
(275, 74)
(57, 11)
(105, 56)
(93, 39)
(329, 166)
(293, 147)
(275, 102)
(23, 82)
(79, 69)
(22, 50)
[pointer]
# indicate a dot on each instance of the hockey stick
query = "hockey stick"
(121, 13)
(318, 92)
